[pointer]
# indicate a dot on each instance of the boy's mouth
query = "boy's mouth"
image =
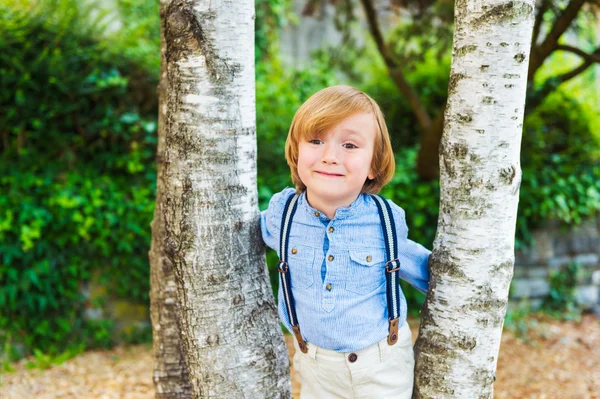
(329, 174)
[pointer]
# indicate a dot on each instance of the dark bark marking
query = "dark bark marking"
(238, 226)
(513, 11)
(453, 82)
(459, 150)
(520, 57)
(484, 68)
(217, 279)
(185, 36)
(486, 378)
(465, 118)
(238, 299)
(212, 340)
(464, 50)
(508, 174)
(485, 306)
(488, 100)
(442, 262)
(504, 44)
(439, 344)
(511, 75)
(474, 158)
(506, 266)
(466, 343)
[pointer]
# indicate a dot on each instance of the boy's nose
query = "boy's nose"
(330, 154)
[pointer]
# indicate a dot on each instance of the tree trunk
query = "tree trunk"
(428, 158)
(232, 343)
(473, 256)
(170, 373)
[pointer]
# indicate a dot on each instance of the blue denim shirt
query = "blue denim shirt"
(347, 253)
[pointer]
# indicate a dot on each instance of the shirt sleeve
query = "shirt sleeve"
(414, 257)
(270, 218)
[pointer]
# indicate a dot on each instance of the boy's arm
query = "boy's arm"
(268, 229)
(270, 218)
(414, 264)
(413, 257)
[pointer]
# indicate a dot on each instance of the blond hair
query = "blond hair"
(325, 109)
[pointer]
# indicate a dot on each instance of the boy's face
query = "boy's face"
(334, 167)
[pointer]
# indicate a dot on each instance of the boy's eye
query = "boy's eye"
(352, 146)
(314, 141)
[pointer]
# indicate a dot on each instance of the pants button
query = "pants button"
(352, 357)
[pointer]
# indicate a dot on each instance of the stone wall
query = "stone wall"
(554, 248)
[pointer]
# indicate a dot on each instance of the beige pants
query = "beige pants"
(379, 371)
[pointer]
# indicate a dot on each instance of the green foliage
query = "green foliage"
(77, 174)
(271, 15)
(561, 302)
(560, 157)
(43, 360)
(138, 40)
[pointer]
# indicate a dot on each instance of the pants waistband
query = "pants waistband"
(373, 353)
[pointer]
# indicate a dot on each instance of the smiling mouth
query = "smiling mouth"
(328, 174)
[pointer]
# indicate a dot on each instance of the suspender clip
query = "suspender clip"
(301, 342)
(393, 335)
(280, 269)
(387, 267)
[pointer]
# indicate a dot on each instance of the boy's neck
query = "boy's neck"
(328, 208)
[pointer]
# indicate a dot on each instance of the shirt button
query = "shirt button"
(352, 357)
(331, 229)
(330, 258)
(368, 258)
(317, 214)
(329, 287)
(294, 250)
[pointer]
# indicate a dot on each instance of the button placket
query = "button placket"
(328, 301)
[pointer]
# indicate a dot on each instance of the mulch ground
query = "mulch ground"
(558, 360)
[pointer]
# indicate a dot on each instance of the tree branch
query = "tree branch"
(562, 23)
(393, 67)
(594, 57)
(551, 84)
(539, 19)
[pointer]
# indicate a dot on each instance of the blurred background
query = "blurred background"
(78, 126)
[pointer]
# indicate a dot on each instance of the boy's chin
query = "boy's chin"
(330, 195)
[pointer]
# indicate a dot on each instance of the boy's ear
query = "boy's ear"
(371, 175)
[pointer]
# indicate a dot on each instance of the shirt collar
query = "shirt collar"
(340, 213)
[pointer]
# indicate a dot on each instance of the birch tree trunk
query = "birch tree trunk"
(170, 373)
(473, 256)
(232, 343)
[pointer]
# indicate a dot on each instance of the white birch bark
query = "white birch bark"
(473, 256)
(233, 344)
(170, 374)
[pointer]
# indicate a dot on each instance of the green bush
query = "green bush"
(560, 157)
(77, 174)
